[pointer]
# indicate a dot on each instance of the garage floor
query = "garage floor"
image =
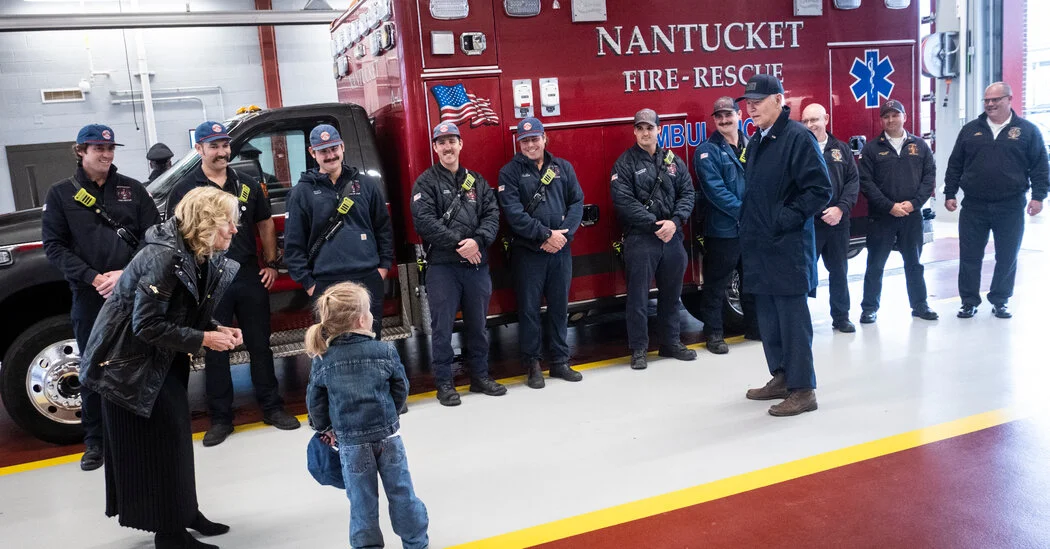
(929, 434)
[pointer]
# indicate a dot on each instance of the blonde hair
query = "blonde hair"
(340, 310)
(201, 213)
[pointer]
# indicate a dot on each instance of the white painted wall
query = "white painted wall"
(228, 58)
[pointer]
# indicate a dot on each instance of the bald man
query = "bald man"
(994, 159)
(832, 224)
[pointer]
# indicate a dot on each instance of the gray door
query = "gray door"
(34, 168)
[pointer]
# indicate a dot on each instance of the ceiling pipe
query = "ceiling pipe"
(204, 111)
(252, 18)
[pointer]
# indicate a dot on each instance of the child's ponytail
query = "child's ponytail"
(316, 344)
(339, 311)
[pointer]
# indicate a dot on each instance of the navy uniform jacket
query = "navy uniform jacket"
(887, 177)
(990, 169)
(561, 208)
(477, 215)
(634, 181)
(254, 206)
(363, 244)
(787, 184)
(722, 180)
(845, 180)
(76, 240)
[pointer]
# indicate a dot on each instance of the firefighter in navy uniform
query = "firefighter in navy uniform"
(247, 297)
(543, 204)
(159, 157)
(338, 227)
(93, 223)
(993, 161)
(832, 224)
(897, 175)
(653, 195)
(456, 214)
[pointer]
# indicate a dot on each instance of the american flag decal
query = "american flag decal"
(458, 105)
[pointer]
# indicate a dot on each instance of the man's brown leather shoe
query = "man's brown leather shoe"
(802, 400)
(775, 388)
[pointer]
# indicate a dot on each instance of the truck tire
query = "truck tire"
(40, 384)
(732, 310)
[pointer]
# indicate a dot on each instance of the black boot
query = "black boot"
(179, 540)
(208, 528)
(532, 368)
(565, 372)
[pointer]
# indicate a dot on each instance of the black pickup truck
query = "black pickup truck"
(39, 380)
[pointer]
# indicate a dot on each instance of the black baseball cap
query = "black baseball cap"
(891, 105)
(761, 86)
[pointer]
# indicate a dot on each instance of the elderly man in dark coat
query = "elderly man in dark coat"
(787, 184)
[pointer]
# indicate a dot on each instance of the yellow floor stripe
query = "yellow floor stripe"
(516, 380)
(741, 483)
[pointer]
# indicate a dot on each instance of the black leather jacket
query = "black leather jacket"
(156, 311)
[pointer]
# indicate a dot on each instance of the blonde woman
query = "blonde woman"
(357, 385)
(137, 359)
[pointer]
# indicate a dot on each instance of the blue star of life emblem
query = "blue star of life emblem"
(872, 76)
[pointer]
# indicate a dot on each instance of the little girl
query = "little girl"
(357, 385)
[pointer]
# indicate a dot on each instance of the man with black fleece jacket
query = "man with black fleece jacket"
(455, 213)
(994, 159)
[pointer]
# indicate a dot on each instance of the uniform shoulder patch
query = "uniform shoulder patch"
(417, 196)
(500, 188)
(703, 156)
(614, 177)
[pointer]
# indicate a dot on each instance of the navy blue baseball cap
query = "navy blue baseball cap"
(97, 134)
(445, 128)
(210, 131)
(323, 463)
(529, 127)
(761, 86)
(324, 136)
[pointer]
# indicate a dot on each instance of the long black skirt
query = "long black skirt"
(150, 481)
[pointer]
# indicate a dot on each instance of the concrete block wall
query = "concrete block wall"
(226, 57)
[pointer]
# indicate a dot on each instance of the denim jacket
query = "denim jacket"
(356, 389)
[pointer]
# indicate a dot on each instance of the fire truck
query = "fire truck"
(583, 67)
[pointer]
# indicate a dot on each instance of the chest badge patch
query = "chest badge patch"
(355, 187)
(471, 195)
(913, 149)
(123, 194)
(672, 170)
(1014, 133)
(836, 155)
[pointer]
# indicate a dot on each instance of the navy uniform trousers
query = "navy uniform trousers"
(1005, 219)
(646, 257)
(247, 299)
(541, 275)
(87, 303)
(451, 287)
(883, 232)
(376, 290)
(787, 338)
(721, 258)
(833, 246)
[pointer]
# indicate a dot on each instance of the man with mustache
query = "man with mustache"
(994, 159)
(455, 213)
(338, 227)
(717, 164)
(91, 249)
(832, 224)
(247, 297)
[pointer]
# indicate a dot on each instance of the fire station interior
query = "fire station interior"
(928, 433)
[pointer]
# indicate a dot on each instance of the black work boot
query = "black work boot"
(774, 388)
(92, 458)
(639, 359)
(217, 433)
(565, 372)
(532, 368)
(447, 395)
(716, 343)
(488, 386)
(281, 419)
(678, 351)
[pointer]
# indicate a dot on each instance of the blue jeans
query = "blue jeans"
(363, 464)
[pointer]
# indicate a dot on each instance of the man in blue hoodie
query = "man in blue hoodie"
(717, 164)
(338, 227)
(543, 204)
